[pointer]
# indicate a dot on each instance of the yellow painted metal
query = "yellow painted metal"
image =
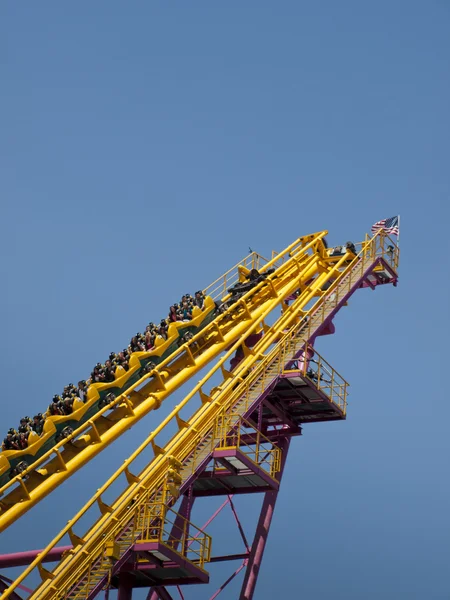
(112, 550)
(284, 340)
(92, 437)
(156, 522)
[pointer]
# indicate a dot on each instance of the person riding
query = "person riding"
(38, 423)
(173, 316)
(186, 311)
(199, 299)
(56, 407)
(82, 390)
(10, 442)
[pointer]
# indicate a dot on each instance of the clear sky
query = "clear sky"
(144, 146)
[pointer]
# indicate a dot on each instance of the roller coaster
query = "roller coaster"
(258, 327)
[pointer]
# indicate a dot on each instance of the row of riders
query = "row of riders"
(62, 404)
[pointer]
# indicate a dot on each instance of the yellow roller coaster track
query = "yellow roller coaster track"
(148, 496)
(294, 267)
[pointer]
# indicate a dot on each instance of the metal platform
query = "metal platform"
(156, 563)
(233, 472)
(297, 399)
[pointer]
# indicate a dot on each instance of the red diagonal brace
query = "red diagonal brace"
(224, 585)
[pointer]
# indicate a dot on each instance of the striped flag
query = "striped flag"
(389, 226)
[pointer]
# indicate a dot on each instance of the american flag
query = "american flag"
(387, 225)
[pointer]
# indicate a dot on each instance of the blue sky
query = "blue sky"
(144, 148)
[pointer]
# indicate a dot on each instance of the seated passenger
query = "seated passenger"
(23, 440)
(199, 299)
(109, 371)
(162, 330)
(82, 390)
(149, 339)
(253, 275)
(67, 407)
(341, 250)
(178, 312)
(69, 391)
(337, 251)
(38, 423)
(186, 311)
(10, 442)
(122, 360)
(173, 316)
(56, 407)
(25, 424)
(135, 344)
(98, 375)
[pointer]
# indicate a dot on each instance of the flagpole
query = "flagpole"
(398, 237)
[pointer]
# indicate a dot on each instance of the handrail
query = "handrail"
(253, 260)
(149, 530)
(228, 433)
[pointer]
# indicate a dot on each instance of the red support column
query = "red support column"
(261, 534)
(19, 559)
(125, 587)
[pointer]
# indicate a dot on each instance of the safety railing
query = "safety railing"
(155, 522)
(145, 521)
(219, 288)
(233, 431)
(383, 246)
(324, 377)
